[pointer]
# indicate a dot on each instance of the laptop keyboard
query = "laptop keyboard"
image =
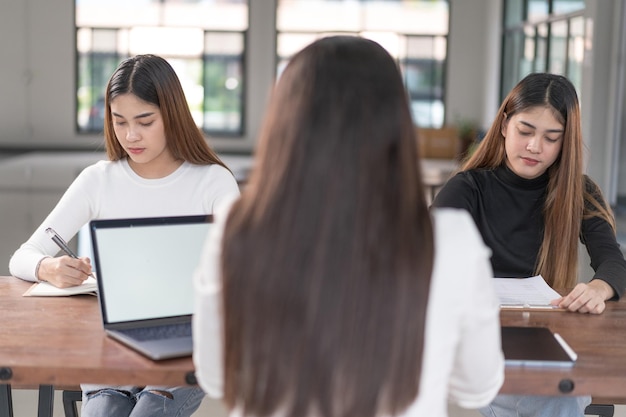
(167, 331)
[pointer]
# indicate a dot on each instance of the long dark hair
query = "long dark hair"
(570, 195)
(327, 256)
(153, 80)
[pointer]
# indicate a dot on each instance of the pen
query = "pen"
(62, 244)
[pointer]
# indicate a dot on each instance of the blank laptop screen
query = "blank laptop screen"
(145, 271)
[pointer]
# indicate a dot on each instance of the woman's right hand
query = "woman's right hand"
(64, 271)
(587, 297)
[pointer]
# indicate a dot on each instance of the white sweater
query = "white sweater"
(463, 361)
(109, 190)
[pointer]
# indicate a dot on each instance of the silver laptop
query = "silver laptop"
(144, 270)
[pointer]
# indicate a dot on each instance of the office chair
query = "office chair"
(600, 410)
(70, 398)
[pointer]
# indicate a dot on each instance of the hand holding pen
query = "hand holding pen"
(66, 277)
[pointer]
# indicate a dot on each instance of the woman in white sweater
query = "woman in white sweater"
(328, 289)
(159, 165)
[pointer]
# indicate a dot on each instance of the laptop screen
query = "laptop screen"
(144, 267)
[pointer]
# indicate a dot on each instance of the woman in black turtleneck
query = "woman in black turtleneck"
(525, 188)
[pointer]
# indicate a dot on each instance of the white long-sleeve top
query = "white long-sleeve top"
(463, 361)
(112, 190)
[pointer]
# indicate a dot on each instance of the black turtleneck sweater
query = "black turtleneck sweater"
(507, 209)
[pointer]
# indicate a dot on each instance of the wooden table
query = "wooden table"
(599, 341)
(59, 341)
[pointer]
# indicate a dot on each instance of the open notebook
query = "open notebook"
(145, 290)
(45, 289)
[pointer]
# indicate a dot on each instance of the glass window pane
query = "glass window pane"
(538, 10)
(224, 43)
(221, 15)
(527, 62)
(213, 15)
(408, 16)
(204, 40)
(83, 40)
(513, 54)
(576, 51)
(412, 31)
(317, 16)
(166, 41)
(558, 47)
(104, 41)
(554, 27)
(288, 44)
(117, 13)
(513, 13)
(428, 113)
(423, 70)
(93, 72)
(189, 71)
(223, 82)
(567, 6)
(541, 48)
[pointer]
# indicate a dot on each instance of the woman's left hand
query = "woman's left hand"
(586, 298)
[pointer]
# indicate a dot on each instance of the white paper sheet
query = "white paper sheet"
(532, 292)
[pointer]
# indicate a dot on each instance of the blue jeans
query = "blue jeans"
(536, 406)
(129, 401)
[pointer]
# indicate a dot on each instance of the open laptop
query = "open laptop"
(144, 269)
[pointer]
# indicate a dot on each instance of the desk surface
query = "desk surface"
(59, 341)
(599, 341)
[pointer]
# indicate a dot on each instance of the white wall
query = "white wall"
(472, 84)
(597, 92)
(618, 103)
(37, 73)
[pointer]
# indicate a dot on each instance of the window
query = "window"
(542, 36)
(415, 32)
(203, 40)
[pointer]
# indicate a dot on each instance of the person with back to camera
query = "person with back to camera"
(525, 188)
(159, 165)
(352, 300)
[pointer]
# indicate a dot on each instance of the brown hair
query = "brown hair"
(326, 314)
(153, 80)
(571, 195)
